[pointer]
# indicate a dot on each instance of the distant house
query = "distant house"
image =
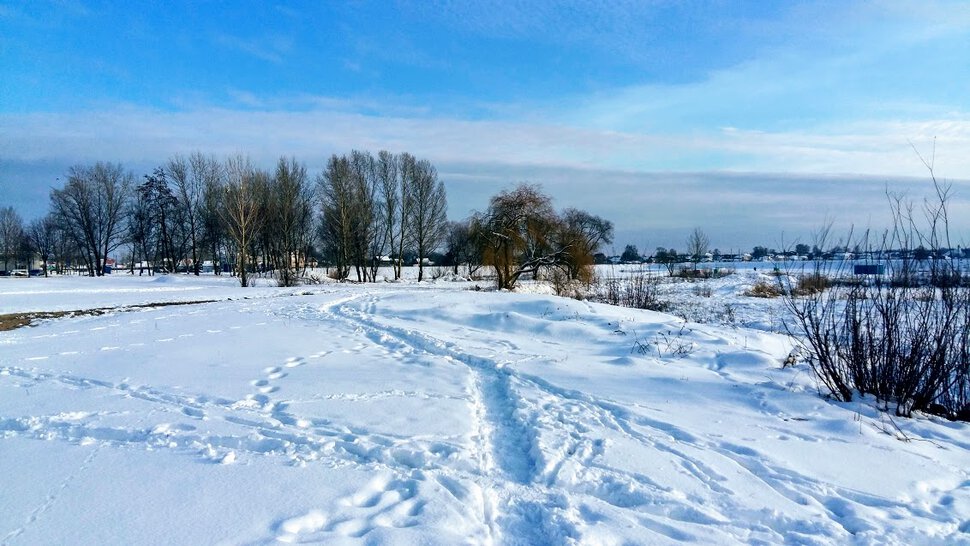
(21, 268)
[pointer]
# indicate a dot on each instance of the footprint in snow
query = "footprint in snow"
(291, 530)
(193, 412)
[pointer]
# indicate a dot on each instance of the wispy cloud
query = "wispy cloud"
(325, 126)
(654, 187)
(268, 48)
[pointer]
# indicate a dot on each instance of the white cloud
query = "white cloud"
(648, 184)
(872, 148)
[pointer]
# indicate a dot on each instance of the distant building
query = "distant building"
(21, 268)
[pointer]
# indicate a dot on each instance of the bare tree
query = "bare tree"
(404, 239)
(461, 248)
(428, 212)
(364, 215)
(240, 210)
(697, 246)
(336, 198)
(141, 232)
(42, 234)
(190, 177)
(213, 195)
(11, 235)
(160, 207)
(388, 170)
(90, 207)
(289, 221)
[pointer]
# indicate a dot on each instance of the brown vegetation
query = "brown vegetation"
(12, 321)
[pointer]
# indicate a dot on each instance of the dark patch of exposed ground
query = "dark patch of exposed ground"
(12, 321)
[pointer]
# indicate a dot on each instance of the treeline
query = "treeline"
(363, 211)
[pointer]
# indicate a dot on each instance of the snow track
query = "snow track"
(382, 415)
(503, 443)
(569, 416)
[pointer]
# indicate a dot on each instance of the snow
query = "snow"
(399, 413)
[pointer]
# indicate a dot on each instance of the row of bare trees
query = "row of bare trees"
(377, 209)
(362, 212)
(240, 218)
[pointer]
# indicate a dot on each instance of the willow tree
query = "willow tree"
(516, 234)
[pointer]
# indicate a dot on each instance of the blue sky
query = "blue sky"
(732, 116)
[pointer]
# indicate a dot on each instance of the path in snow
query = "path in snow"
(493, 419)
(543, 513)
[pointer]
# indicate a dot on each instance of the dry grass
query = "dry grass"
(764, 289)
(812, 284)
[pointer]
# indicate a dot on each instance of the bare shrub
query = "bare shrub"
(697, 274)
(702, 291)
(666, 344)
(813, 283)
(903, 338)
(565, 287)
(673, 344)
(638, 291)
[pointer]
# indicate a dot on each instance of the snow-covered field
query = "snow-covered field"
(399, 413)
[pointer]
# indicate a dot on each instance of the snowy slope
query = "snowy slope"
(402, 414)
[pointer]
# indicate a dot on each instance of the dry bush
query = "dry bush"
(904, 339)
(693, 274)
(813, 283)
(639, 291)
(565, 287)
(702, 291)
(764, 289)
